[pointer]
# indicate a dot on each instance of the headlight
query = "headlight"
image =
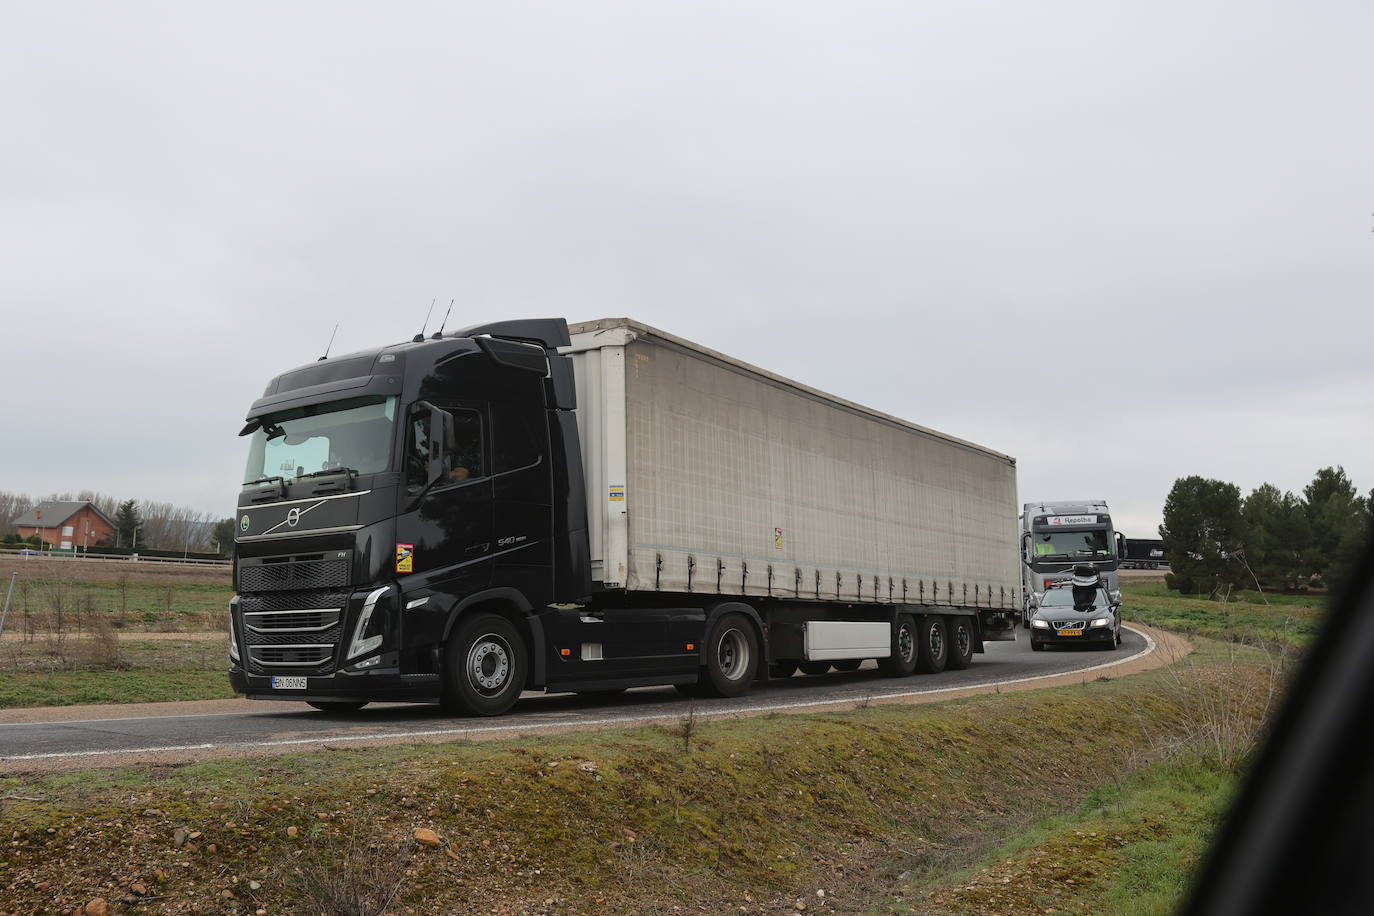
(367, 638)
(233, 636)
(1040, 624)
(1101, 622)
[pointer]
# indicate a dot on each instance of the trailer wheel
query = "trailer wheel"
(932, 645)
(902, 661)
(960, 642)
(848, 664)
(782, 670)
(484, 667)
(337, 705)
(732, 657)
(815, 669)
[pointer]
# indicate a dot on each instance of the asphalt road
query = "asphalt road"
(269, 726)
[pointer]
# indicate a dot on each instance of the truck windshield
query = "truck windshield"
(354, 434)
(1072, 545)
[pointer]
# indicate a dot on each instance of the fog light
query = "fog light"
(368, 662)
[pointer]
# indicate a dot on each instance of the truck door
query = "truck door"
(449, 533)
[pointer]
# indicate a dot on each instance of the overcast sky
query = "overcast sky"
(1121, 243)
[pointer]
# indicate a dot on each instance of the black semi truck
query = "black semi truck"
(524, 506)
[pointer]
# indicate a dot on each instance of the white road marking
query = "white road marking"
(518, 726)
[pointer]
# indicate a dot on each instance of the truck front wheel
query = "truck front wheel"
(484, 667)
(932, 645)
(732, 656)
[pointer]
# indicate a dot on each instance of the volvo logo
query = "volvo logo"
(293, 518)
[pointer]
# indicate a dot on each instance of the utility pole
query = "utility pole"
(6, 612)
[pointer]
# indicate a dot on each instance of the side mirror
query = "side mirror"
(1120, 546)
(1025, 550)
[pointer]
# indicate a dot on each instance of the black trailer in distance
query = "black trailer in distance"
(459, 518)
(1144, 553)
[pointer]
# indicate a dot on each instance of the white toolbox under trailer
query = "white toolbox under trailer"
(708, 476)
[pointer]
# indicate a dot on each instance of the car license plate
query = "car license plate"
(288, 683)
(1070, 632)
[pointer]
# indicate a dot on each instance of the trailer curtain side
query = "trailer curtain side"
(707, 475)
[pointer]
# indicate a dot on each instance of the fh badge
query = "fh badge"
(405, 558)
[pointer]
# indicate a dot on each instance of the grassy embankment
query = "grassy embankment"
(76, 633)
(1272, 620)
(874, 807)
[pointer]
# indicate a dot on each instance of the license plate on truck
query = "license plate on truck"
(288, 683)
(1061, 633)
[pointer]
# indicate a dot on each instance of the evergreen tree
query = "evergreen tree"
(1276, 536)
(1335, 513)
(224, 536)
(128, 523)
(1202, 530)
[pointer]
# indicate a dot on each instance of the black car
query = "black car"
(1075, 615)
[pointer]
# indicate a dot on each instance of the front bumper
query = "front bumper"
(376, 685)
(1092, 636)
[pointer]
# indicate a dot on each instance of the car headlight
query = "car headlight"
(1040, 624)
(1101, 622)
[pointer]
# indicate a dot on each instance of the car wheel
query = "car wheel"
(902, 661)
(484, 667)
(732, 656)
(932, 645)
(848, 664)
(815, 668)
(960, 631)
(337, 705)
(1037, 647)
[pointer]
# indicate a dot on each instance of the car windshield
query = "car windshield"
(1061, 545)
(354, 434)
(1074, 598)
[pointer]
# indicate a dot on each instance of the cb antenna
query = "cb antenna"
(440, 333)
(330, 345)
(421, 336)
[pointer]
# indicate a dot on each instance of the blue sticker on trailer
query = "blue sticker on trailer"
(616, 493)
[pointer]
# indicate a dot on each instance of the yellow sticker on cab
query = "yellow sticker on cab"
(405, 558)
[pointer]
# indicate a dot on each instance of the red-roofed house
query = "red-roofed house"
(66, 525)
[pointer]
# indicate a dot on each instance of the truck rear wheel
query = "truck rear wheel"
(484, 667)
(732, 657)
(960, 642)
(902, 661)
(932, 645)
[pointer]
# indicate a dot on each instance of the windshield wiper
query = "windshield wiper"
(281, 484)
(338, 470)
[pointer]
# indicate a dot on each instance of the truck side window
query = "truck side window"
(467, 457)
(466, 461)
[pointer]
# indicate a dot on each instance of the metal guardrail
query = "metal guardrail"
(33, 553)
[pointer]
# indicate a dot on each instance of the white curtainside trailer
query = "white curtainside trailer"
(708, 476)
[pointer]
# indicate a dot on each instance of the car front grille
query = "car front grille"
(1068, 624)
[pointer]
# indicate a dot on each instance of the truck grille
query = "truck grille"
(274, 574)
(292, 632)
